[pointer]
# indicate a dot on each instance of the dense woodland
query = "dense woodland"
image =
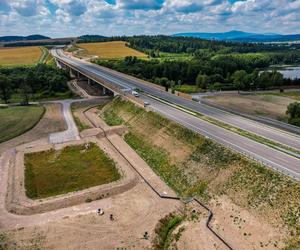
(209, 65)
(32, 83)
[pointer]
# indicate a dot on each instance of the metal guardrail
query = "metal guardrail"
(210, 212)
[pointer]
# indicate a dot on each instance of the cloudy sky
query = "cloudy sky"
(60, 18)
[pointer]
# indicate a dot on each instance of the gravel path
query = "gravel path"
(72, 133)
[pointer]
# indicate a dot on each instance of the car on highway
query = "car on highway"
(135, 94)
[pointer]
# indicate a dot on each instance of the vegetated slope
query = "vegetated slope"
(73, 168)
(110, 50)
(19, 56)
(194, 165)
(17, 120)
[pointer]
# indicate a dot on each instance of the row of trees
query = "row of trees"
(30, 83)
(230, 72)
(214, 64)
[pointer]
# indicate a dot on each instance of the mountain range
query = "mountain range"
(22, 38)
(240, 36)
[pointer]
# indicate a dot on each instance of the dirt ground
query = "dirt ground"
(261, 105)
(242, 228)
(135, 212)
(53, 121)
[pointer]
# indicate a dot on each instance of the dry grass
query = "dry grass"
(263, 105)
(110, 50)
(19, 56)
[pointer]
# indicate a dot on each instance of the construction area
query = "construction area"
(135, 210)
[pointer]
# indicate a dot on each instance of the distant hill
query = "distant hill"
(91, 38)
(241, 36)
(22, 38)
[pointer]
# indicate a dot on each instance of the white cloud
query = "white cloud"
(75, 17)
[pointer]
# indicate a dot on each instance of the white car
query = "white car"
(135, 94)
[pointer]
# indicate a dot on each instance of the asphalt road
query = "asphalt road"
(269, 156)
(71, 134)
(125, 82)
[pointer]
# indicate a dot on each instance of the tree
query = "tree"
(264, 80)
(25, 92)
(165, 83)
(293, 111)
(202, 81)
(277, 78)
(240, 79)
(5, 88)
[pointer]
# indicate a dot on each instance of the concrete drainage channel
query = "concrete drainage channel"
(210, 212)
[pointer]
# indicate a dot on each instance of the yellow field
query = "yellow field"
(19, 55)
(110, 50)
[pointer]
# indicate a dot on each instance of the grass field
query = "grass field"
(110, 50)
(20, 56)
(73, 168)
(15, 121)
(293, 95)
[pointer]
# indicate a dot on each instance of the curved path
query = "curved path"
(72, 133)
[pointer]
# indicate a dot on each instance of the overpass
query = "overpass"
(119, 84)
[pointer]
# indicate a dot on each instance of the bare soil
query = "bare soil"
(261, 105)
(134, 211)
(242, 228)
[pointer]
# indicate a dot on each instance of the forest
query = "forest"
(209, 64)
(31, 83)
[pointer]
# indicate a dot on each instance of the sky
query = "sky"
(64, 18)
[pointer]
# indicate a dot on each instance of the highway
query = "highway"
(271, 157)
(125, 82)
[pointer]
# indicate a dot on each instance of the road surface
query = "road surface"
(268, 156)
(271, 157)
(71, 134)
(125, 82)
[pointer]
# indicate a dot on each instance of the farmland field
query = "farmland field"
(111, 50)
(73, 168)
(19, 56)
(17, 120)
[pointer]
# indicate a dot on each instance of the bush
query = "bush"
(295, 121)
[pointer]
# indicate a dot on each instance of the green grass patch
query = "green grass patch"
(73, 168)
(159, 161)
(18, 120)
(164, 231)
(111, 118)
(164, 56)
(81, 126)
(188, 89)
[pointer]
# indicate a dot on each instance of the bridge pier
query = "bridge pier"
(98, 87)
